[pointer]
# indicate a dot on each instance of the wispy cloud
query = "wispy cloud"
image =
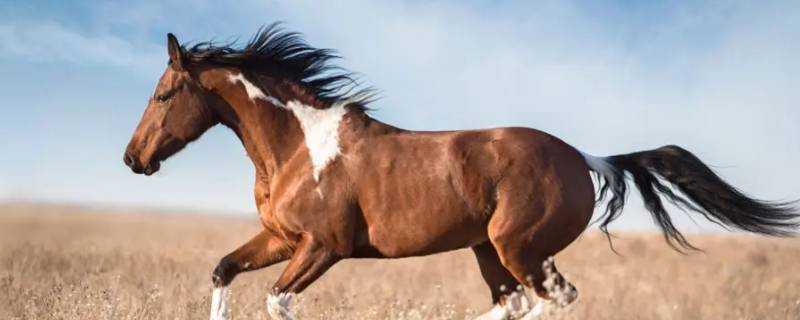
(49, 41)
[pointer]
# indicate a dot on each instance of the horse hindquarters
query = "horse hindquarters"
(542, 207)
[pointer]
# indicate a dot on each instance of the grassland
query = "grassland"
(60, 262)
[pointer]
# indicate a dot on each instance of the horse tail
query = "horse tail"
(699, 190)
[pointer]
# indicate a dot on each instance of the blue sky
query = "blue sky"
(717, 77)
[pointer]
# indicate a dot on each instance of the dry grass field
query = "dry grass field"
(77, 263)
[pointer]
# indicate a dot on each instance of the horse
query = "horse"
(333, 183)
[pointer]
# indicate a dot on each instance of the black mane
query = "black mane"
(287, 55)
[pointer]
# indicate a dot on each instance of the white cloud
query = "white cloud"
(46, 41)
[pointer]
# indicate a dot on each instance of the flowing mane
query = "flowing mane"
(286, 55)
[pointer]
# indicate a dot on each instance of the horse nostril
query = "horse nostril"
(128, 159)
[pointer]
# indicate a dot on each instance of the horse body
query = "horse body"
(384, 180)
(333, 183)
(408, 193)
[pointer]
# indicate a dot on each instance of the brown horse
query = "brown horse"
(333, 183)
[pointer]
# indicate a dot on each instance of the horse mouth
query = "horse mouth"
(149, 169)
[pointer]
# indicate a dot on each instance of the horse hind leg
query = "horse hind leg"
(506, 294)
(527, 231)
(541, 275)
(557, 288)
(537, 272)
(554, 288)
(509, 296)
(497, 277)
(527, 235)
(551, 285)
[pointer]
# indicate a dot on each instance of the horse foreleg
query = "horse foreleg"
(261, 251)
(310, 260)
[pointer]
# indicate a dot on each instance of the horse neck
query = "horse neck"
(268, 133)
(267, 126)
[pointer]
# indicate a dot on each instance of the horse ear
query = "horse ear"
(176, 58)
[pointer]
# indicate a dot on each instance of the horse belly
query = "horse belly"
(421, 232)
(421, 216)
(424, 193)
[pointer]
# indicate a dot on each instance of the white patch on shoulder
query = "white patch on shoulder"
(253, 91)
(320, 126)
(220, 308)
(601, 166)
(278, 306)
(321, 130)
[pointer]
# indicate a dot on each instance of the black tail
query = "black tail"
(701, 191)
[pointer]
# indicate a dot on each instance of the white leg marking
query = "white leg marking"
(538, 309)
(278, 306)
(560, 294)
(536, 312)
(518, 303)
(497, 312)
(517, 306)
(220, 308)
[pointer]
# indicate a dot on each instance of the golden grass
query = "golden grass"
(75, 263)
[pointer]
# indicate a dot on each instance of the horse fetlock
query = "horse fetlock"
(559, 290)
(224, 272)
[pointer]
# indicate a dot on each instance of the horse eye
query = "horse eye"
(162, 98)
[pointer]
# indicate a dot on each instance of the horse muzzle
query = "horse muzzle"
(131, 161)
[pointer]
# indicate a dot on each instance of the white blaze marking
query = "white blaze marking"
(278, 306)
(220, 309)
(320, 126)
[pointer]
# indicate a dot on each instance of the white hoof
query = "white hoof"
(517, 306)
(535, 313)
(220, 308)
(538, 309)
(278, 306)
(497, 312)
